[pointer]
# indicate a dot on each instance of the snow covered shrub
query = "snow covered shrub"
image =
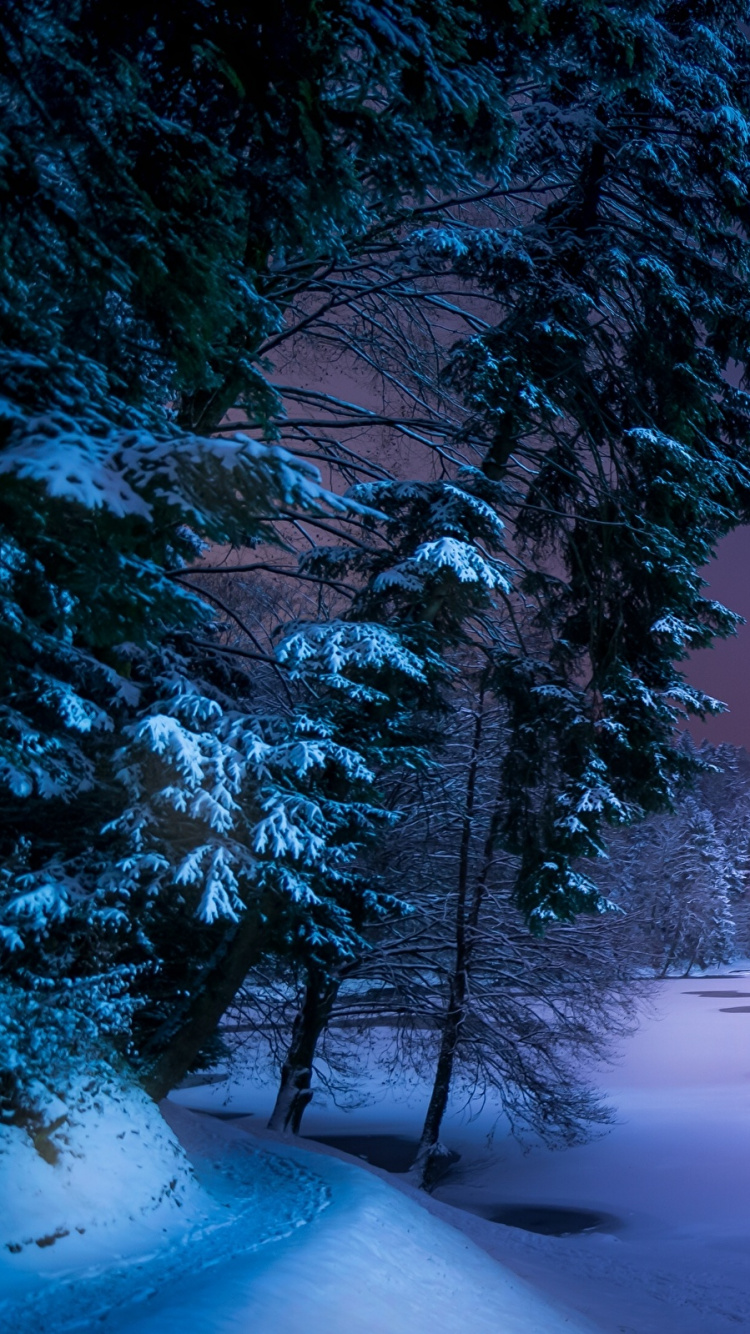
(49, 1031)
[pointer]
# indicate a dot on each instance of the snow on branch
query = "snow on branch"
(445, 555)
(344, 645)
(205, 482)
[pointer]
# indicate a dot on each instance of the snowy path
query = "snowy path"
(373, 1262)
(290, 1242)
(251, 1199)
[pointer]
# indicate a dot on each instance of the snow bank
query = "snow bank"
(111, 1161)
(374, 1262)
(123, 1212)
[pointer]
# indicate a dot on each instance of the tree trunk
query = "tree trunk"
(691, 965)
(205, 410)
(177, 1045)
(669, 958)
(295, 1088)
(433, 1158)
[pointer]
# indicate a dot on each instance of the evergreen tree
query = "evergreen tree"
(674, 876)
(604, 404)
(603, 279)
(157, 167)
(183, 189)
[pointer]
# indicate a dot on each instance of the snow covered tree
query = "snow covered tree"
(458, 991)
(701, 931)
(612, 493)
(724, 791)
(528, 221)
(514, 1015)
(436, 567)
(676, 879)
(278, 808)
(606, 407)
(137, 290)
(572, 328)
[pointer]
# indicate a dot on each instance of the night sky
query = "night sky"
(724, 671)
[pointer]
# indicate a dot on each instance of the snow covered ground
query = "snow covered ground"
(309, 1243)
(99, 1234)
(275, 1238)
(373, 1262)
(674, 1173)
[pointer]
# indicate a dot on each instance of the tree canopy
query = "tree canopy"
(526, 224)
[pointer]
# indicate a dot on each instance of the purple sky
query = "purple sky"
(724, 671)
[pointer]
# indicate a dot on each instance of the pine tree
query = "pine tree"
(605, 406)
(602, 276)
(138, 285)
(674, 877)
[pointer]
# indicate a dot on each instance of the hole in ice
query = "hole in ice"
(220, 1113)
(719, 995)
(552, 1221)
(393, 1153)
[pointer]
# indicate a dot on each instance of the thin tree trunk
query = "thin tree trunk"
(671, 952)
(433, 1158)
(690, 966)
(295, 1088)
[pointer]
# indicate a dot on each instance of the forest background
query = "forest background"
(374, 392)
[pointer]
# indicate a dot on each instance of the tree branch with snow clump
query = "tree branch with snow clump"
(445, 554)
(203, 482)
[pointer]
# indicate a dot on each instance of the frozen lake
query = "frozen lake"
(673, 1174)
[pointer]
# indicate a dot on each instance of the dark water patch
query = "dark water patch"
(220, 1114)
(551, 1220)
(392, 1153)
(718, 995)
(735, 1009)
(739, 973)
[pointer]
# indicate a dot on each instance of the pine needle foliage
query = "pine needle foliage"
(173, 178)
